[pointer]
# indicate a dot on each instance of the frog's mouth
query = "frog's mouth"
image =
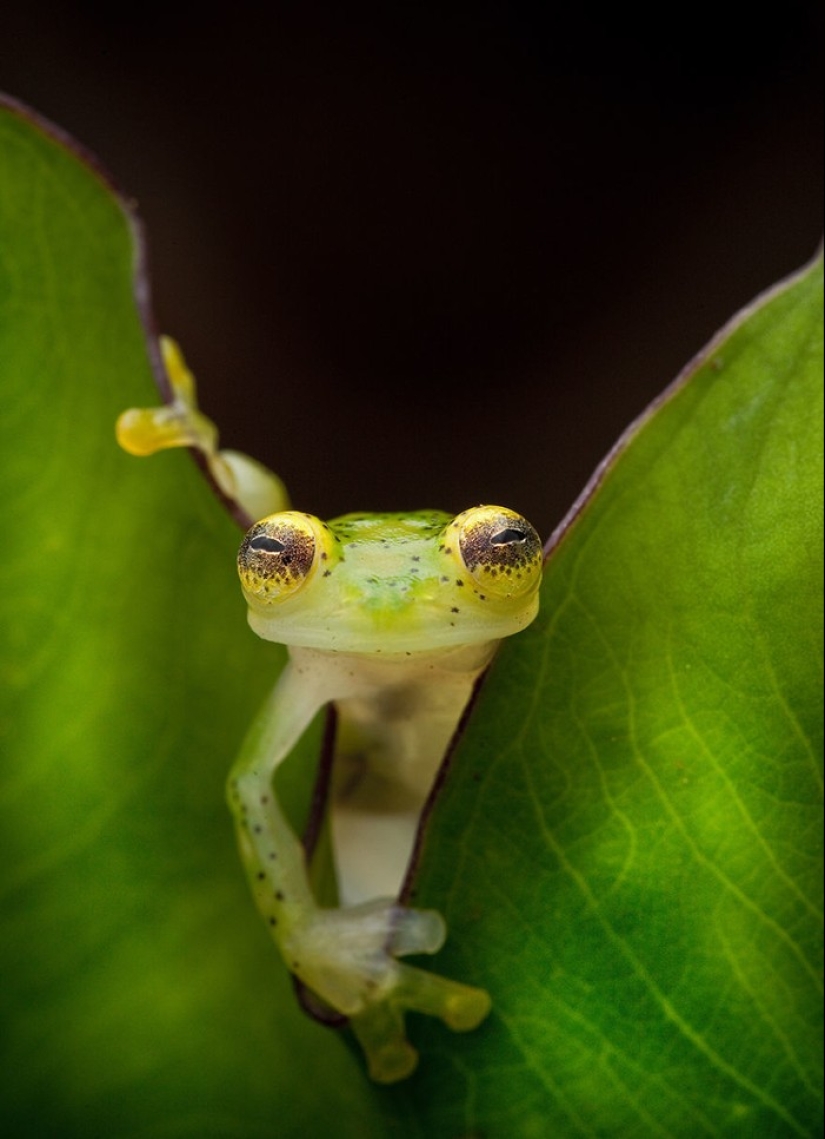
(408, 624)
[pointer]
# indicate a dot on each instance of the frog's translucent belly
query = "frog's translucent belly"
(380, 787)
(371, 853)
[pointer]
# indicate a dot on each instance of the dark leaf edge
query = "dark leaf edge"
(141, 277)
(683, 378)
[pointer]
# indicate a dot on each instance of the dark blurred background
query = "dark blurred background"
(434, 255)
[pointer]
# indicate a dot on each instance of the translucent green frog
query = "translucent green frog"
(391, 618)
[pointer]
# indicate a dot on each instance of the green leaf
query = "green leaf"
(140, 993)
(629, 845)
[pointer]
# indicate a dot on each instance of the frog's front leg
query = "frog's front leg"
(347, 956)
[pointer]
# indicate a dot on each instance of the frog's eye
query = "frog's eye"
(500, 549)
(278, 555)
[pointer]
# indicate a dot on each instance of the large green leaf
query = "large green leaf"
(630, 842)
(140, 995)
(626, 845)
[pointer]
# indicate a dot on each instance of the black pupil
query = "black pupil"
(270, 545)
(505, 537)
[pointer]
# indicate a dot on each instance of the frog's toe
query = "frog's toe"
(461, 1007)
(416, 931)
(380, 1032)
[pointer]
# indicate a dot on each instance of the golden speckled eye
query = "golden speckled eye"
(500, 549)
(277, 555)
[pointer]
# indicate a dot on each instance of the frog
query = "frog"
(391, 619)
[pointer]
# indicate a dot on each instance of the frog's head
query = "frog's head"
(391, 583)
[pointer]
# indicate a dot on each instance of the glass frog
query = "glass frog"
(391, 618)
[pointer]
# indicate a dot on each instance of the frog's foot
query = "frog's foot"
(349, 958)
(181, 423)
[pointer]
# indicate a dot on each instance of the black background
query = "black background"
(436, 255)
